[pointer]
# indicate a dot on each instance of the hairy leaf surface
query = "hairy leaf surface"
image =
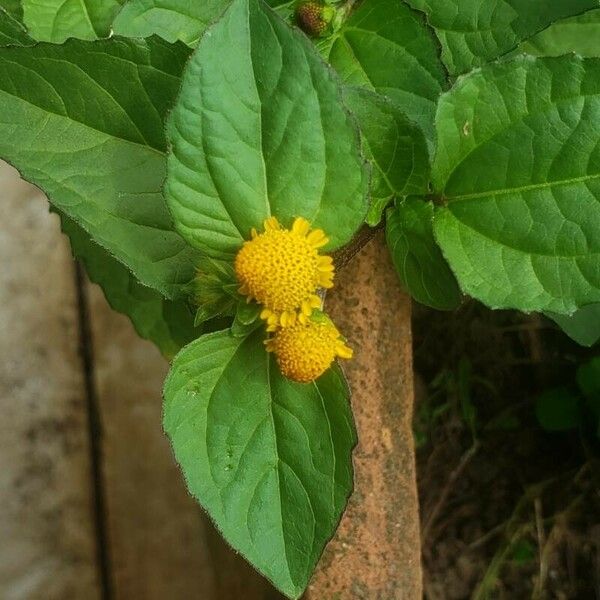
(416, 256)
(269, 459)
(57, 20)
(84, 122)
(387, 47)
(167, 323)
(259, 130)
(395, 146)
(474, 32)
(518, 166)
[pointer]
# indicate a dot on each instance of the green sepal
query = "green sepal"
(247, 312)
(206, 313)
(212, 290)
(246, 319)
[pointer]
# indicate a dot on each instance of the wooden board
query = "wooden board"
(47, 536)
(156, 536)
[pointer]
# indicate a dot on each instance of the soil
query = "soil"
(509, 510)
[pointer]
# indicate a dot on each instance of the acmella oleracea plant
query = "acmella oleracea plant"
(205, 166)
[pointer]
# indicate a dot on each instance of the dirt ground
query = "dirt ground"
(509, 510)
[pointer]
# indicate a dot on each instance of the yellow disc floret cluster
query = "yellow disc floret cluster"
(282, 270)
(305, 352)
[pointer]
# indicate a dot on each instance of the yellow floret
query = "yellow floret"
(305, 351)
(282, 270)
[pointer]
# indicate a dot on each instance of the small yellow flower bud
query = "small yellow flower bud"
(305, 351)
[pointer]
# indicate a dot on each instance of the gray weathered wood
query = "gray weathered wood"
(47, 543)
(156, 533)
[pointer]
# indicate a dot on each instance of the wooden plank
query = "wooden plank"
(156, 536)
(48, 548)
(376, 553)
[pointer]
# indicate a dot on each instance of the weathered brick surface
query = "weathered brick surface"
(376, 552)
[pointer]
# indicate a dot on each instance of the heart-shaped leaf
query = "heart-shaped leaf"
(387, 47)
(518, 167)
(269, 459)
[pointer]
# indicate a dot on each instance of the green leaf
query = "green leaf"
(387, 47)
(56, 20)
(175, 20)
(523, 552)
(395, 146)
(558, 410)
(580, 34)
(170, 19)
(269, 459)
(12, 33)
(14, 8)
(168, 324)
(246, 319)
(84, 122)
(583, 326)
(417, 258)
(259, 130)
(474, 32)
(286, 9)
(518, 166)
(588, 380)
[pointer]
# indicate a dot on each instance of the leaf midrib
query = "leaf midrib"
(522, 189)
(5, 57)
(260, 113)
(527, 61)
(279, 460)
(514, 248)
(81, 124)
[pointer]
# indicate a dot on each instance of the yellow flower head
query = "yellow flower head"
(282, 270)
(305, 351)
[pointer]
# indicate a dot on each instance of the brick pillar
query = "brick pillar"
(376, 553)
